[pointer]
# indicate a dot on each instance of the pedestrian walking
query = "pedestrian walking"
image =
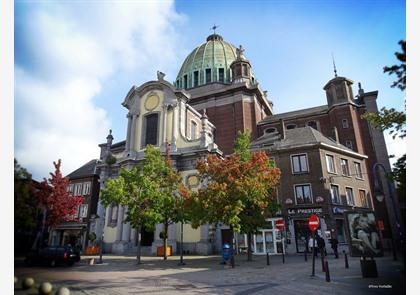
(321, 245)
(313, 246)
(334, 246)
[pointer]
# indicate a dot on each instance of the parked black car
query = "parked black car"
(53, 255)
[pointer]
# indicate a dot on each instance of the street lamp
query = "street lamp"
(380, 196)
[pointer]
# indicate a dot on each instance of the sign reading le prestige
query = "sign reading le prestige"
(304, 211)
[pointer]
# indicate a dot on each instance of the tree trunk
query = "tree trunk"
(165, 241)
(139, 245)
(249, 241)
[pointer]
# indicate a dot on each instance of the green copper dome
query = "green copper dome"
(209, 62)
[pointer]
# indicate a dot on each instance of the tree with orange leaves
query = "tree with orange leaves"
(238, 191)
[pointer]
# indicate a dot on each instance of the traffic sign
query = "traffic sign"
(313, 222)
(280, 224)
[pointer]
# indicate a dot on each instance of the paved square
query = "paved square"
(205, 275)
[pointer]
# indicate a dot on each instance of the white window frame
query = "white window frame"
(338, 192)
(333, 163)
(355, 170)
(76, 215)
(293, 166)
(83, 210)
(78, 189)
(366, 198)
(86, 188)
(310, 193)
(70, 188)
(352, 196)
(348, 167)
(345, 123)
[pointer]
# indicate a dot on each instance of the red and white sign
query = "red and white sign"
(280, 224)
(313, 222)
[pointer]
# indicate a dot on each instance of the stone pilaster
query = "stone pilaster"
(204, 246)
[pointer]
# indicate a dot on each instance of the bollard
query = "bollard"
(232, 260)
(283, 258)
(327, 272)
(62, 291)
(306, 256)
(323, 262)
(346, 261)
(268, 258)
(27, 283)
(45, 288)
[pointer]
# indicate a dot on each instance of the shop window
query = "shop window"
(335, 194)
(303, 194)
(208, 76)
(345, 167)
(340, 231)
(151, 128)
(299, 163)
(349, 196)
(330, 163)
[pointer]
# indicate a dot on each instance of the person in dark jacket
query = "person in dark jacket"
(321, 245)
(334, 246)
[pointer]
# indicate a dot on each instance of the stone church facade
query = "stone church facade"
(214, 96)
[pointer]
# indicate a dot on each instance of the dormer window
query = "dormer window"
(185, 81)
(221, 75)
(195, 78)
(208, 76)
(312, 124)
(291, 126)
(270, 130)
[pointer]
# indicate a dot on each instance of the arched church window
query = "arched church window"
(151, 129)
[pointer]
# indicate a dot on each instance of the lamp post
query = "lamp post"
(380, 196)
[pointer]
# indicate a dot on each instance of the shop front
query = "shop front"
(267, 240)
(299, 229)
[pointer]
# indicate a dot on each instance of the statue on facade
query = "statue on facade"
(240, 52)
(160, 75)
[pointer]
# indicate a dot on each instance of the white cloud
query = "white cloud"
(75, 50)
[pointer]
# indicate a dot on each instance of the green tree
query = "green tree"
(394, 121)
(238, 189)
(148, 191)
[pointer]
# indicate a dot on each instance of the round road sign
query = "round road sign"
(280, 224)
(313, 222)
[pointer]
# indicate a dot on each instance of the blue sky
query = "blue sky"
(76, 61)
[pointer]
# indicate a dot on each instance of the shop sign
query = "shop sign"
(337, 210)
(304, 211)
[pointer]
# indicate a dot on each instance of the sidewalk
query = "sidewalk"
(205, 275)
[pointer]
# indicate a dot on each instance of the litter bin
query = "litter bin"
(368, 267)
(226, 253)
